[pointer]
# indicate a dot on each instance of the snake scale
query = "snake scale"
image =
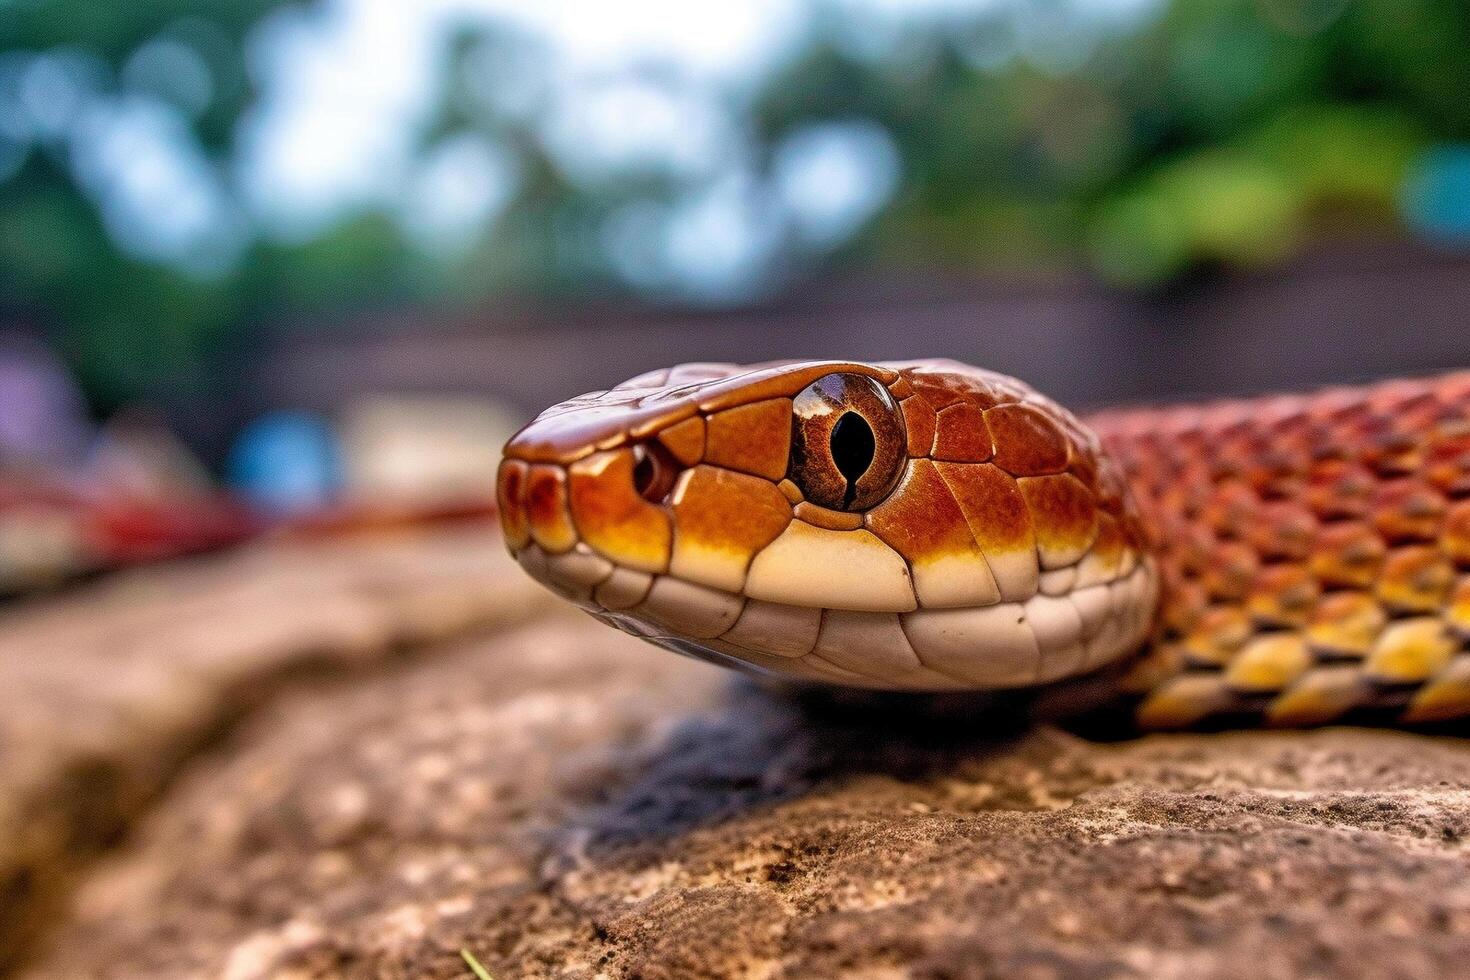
(931, 526)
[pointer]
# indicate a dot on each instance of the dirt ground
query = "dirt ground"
(205, 775)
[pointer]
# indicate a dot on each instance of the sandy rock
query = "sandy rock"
(566, 802)
(105, 691)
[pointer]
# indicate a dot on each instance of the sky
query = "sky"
(346, 89)
(348, 84)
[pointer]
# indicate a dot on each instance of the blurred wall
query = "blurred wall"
(1338, 314)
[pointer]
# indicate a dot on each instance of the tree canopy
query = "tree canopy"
(1143, 144)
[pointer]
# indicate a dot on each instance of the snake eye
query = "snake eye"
(847, 442)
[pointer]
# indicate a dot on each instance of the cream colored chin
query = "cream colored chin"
(1008, 644)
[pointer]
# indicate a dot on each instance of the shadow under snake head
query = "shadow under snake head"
(921, 526)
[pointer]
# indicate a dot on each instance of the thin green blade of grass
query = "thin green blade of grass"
(474, 965)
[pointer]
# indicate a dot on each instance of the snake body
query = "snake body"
(932, 526)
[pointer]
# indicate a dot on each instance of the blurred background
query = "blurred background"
(265, 261)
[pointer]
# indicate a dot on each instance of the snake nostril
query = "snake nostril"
(653, 473)
(645, 471)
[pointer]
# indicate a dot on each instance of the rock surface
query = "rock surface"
(564, 801)
(106, 690)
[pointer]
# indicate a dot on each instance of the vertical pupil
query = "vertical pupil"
(852, 450)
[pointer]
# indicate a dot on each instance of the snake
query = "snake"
(928, 526)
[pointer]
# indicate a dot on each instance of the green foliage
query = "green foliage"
(1218, 132)
(1228, 131)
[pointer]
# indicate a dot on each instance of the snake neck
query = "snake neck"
(1314, 554)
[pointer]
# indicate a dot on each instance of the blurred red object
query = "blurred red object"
(125, 532)
(357, 517)
(52, 529)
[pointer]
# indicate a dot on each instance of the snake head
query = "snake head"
(915, 526)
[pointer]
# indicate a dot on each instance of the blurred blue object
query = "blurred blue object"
(1436, 198)
(287, 462)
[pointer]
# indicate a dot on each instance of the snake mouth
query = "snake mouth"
(1003, 645)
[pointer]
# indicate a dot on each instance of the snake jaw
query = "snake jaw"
(999, 550)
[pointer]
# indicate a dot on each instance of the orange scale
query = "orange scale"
(1453, 479)
(1185, 601)
(1000, 521)
(922, 521)
(1137, 533)
(1274, 467)
(1447, 464)
(1283, 595)
(1109, 545)
(1192, 545)
(969, 383)
(1422, 418)
(510, 495)
(1416, 578)
(1393, 395)
(825, 517)
(685, 441)
(546, 508)
(1284, 531)
(1216, 635)
(1028, 442)
(1344, 406)
(1316, 436)
(1329, 402)
(1191, 441)
(1268, 663)
(1177, 702)
(764, 383)
(721, 519)
(1393, 454)
(1221, 416)
(1295, 431)
(1241, 440)
(1285, 486)
(1327, 449)
(939, 390)
(1318, 697)
(1231, 571)
(1338, 489)
(1409, 409)
(1175, 501)
(1446, 696)
(1232, 508)
(754, 438)
(1458, 612)
(1001, 388)
(992, 503)
(1407, 510)
(1345, 624)
(1278, 411)
(1455, 538)
(920, 423)
(613, 518)
(1410, 651)
(1084, 465)
(1112, 486)
(1454, 388)
(1347, 554)
(961, 435)
(1065, 517)
(1227, 468)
